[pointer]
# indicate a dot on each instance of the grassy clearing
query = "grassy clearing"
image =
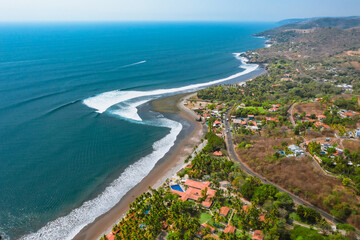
(204, 217)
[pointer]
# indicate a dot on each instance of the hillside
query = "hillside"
(313, 23)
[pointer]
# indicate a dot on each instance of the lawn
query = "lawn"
(261, 110)
(204, 217)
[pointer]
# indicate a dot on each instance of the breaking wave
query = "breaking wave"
(104, 101)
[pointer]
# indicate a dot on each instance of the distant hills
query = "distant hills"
(293, 20)
(314, 23)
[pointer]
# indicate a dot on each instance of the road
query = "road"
(234, 157)
(291, 117)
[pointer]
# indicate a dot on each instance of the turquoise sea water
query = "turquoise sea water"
(75, 125)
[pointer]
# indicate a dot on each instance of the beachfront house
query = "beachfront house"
(194, 192)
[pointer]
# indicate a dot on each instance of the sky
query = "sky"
(172, 10)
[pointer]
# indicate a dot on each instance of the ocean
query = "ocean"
(77, 130)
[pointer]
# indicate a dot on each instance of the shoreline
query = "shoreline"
(163, 170)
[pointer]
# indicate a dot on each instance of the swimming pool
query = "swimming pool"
(177, 188)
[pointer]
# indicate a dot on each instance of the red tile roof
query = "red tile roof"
(218, 153)
(245, 208)
(194, 192)
(262, 217)
(229, 229)
(205, 225)
(196, 184)
(272, 119)
(257, 235)
(110, 236)
(224, 211)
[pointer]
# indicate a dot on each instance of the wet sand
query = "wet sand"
(163, 170)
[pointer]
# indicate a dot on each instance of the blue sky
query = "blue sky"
(172, 10)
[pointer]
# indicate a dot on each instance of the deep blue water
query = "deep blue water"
(57, 150)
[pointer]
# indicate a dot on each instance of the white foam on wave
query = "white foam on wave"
(129, 111)
(68, 226)
(105, 100)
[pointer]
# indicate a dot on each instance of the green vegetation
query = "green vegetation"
(215, 143)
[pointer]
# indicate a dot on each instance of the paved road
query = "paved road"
(234, 157)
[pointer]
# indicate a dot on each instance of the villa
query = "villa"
(194, 192)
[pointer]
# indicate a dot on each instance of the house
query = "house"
(257, 235)
(233, 117)
(218, 153)
(325, 146)
(217, 123)
(245, 208)
(296, 150)
(346, 114)
(239, 121)
(293, 148)
(251, 117)
(205, 225)
(273, 109)
(110, 236)
(194, 192)
(269, 119)
(229, 229)
(321, 125)
(357, 133)
(224, 211)
(321, 117)
(262, 217)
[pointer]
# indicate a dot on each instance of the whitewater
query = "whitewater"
(127, 102)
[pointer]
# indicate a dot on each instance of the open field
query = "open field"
(353, 146)
(309, 108)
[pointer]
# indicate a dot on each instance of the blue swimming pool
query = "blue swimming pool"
(177, 188)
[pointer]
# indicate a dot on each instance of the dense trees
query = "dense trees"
(215, 143)
(308, 215)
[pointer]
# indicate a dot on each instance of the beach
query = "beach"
(164, 169)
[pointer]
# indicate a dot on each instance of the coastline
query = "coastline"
(164, 169)
(167, 166)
